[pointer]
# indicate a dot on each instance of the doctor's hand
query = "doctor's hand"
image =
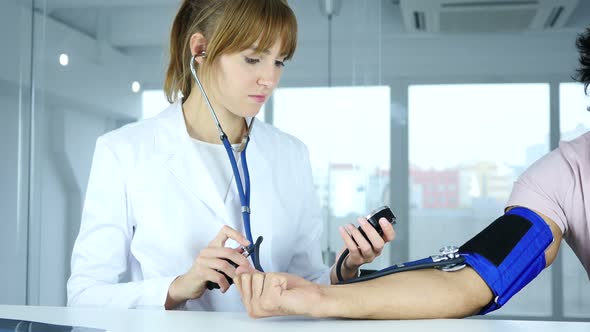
(276, 294)
(208, 266)
(360, 249)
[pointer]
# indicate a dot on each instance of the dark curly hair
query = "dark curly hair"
(583, 45)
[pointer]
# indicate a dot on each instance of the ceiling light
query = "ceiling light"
(64, 59)
(135, 86)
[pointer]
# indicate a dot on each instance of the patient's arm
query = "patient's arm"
(408, 295)
(426, 293)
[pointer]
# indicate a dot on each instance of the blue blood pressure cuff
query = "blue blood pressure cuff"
(509, 253)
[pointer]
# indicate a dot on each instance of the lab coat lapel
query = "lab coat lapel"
(187, 167)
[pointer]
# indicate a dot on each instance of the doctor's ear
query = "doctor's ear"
(198, 45)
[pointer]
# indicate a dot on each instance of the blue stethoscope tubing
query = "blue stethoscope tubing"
(243, 190)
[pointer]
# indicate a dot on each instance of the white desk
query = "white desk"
(171, 321)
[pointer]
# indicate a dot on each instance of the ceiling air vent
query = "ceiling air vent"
(485, 15)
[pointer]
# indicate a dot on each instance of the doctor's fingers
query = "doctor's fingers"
(227, 253)
(363, 245)
(218, 265)
(226, 233)
(376, 241)
(209, 274)
(388, 231)
(353, 249)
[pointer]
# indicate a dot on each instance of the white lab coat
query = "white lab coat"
(151, 207)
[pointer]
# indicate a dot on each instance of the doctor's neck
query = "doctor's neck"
(201, 126)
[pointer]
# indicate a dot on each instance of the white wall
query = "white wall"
(73, 106)
(65, 155)
(14, 30)
(13, 237)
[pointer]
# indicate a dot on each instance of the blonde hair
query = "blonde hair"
(229, 26)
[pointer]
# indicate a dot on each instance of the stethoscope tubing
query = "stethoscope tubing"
(243, 189)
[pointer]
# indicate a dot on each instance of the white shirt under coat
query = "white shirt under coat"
(152, 205)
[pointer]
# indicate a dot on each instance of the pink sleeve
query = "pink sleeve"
(543, 187)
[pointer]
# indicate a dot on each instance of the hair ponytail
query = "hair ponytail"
(176, 81)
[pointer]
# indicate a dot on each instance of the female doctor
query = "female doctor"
(165, 208)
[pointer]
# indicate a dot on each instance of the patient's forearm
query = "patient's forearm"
(408, 295)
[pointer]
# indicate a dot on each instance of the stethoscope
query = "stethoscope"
(243, 190)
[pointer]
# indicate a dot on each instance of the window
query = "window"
(347, 133)
(469, 142)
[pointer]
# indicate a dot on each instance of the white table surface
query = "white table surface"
(115, 320)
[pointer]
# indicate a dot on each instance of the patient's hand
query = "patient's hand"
(276, 294)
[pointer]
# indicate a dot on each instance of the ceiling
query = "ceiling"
(140, 28)
(370, 43)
